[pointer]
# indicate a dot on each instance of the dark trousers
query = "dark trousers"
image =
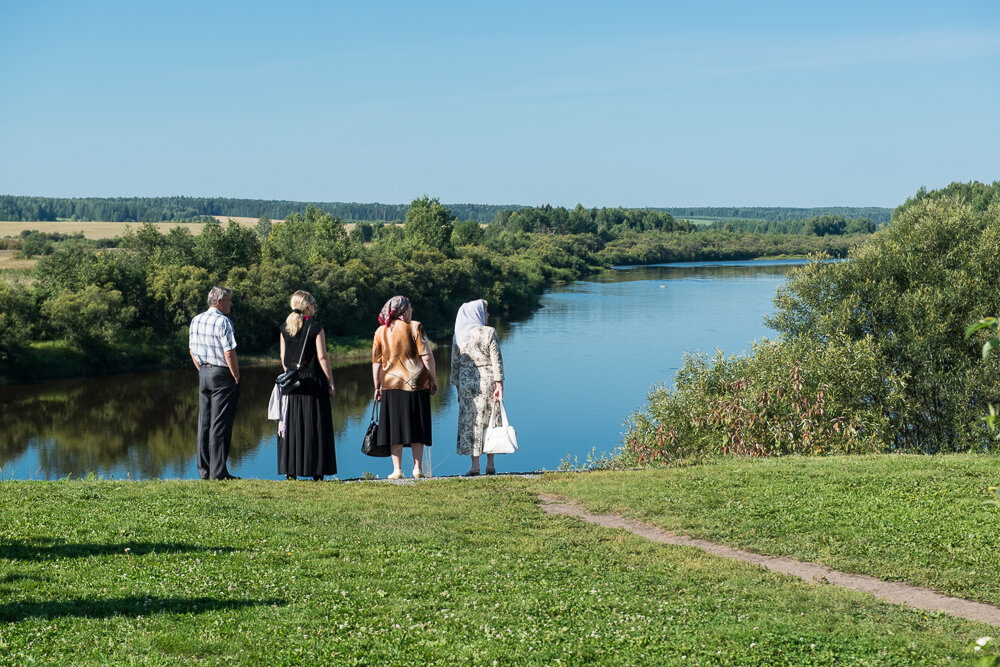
(218, 395)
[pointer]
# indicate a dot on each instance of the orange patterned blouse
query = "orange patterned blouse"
(398, 348)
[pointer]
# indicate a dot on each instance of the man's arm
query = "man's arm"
(194, 360)
(234, 364)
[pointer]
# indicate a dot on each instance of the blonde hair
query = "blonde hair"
(301, 301)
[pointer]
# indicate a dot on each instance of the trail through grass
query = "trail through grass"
(918, 519)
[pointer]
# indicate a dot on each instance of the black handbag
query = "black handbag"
(289, 381)
(370, 446)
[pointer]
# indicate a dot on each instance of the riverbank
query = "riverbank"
(57, 360)
(85, 311)
(261, 572)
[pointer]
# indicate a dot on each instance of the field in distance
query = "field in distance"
(107, 230)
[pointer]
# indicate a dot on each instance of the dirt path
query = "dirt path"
(897, 593)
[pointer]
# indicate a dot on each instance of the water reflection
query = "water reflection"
(145, 426)
(575, 369)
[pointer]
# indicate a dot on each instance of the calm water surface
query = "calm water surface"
(575, 370)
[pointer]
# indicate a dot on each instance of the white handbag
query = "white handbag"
(500, 439)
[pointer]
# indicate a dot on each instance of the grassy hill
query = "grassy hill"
(471, 571)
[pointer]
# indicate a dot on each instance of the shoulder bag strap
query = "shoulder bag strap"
(305, 341)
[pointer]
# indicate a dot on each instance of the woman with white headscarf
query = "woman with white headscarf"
(477, 372)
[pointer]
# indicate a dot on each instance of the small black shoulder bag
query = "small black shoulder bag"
(289, 381)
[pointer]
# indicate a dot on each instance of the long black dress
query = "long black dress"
(307, 449)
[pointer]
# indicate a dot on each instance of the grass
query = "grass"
(447, 572)
(9, 261)
(918, 519)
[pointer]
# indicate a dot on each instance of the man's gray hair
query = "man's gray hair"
(217, 294)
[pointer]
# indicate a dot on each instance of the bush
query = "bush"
(34, 244)
(780, 398)
(913, 288)
(178, 294)
(17, 312)
(92, 319)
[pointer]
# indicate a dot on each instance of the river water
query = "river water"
(575, 370)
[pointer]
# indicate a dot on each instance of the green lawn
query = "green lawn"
(449, 572)
(918, 519)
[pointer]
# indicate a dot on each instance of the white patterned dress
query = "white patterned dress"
(474, 369)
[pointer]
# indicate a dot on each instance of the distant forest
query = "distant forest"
(876, 214)
(161, 209)
(183, 209)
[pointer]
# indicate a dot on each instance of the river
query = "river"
(575, 370)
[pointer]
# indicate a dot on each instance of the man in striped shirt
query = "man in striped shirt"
(212, 345)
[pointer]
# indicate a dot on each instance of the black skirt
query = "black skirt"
(307, 448)
(405, 417)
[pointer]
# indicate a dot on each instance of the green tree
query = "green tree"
(824, 225)
(179, 246)
(466, 233)
(219, 248)
(91, 319)
(263, 228)
(581, 221)
(429, 224)
(18, 312)
(860, 226)
(178, 293)
(913, 288)
(34, 243)
(362, 233)
(144, 242)
(70, 267)
(330, 241)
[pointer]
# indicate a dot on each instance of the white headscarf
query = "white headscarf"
(470, 316)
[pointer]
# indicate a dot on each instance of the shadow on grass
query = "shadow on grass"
(12, 578)
(50, 549)
(128, 607)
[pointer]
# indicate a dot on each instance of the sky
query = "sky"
(601, 103)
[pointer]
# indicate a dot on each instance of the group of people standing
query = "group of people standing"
(403, 372)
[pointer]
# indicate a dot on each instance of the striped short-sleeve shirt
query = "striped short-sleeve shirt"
(211, 336)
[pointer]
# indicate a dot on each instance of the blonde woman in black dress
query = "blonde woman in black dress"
(306, 449)
(477, 372)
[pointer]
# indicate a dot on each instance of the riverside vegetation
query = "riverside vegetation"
(88, 309)
(871, 356)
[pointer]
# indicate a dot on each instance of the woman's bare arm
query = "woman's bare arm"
(428, 361)
(324, 361)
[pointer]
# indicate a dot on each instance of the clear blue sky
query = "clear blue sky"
(602, 103)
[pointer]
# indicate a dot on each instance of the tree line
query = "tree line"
(820, 225)
(187, 209)
(877, 214)
(197, 209)
(128, 307)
